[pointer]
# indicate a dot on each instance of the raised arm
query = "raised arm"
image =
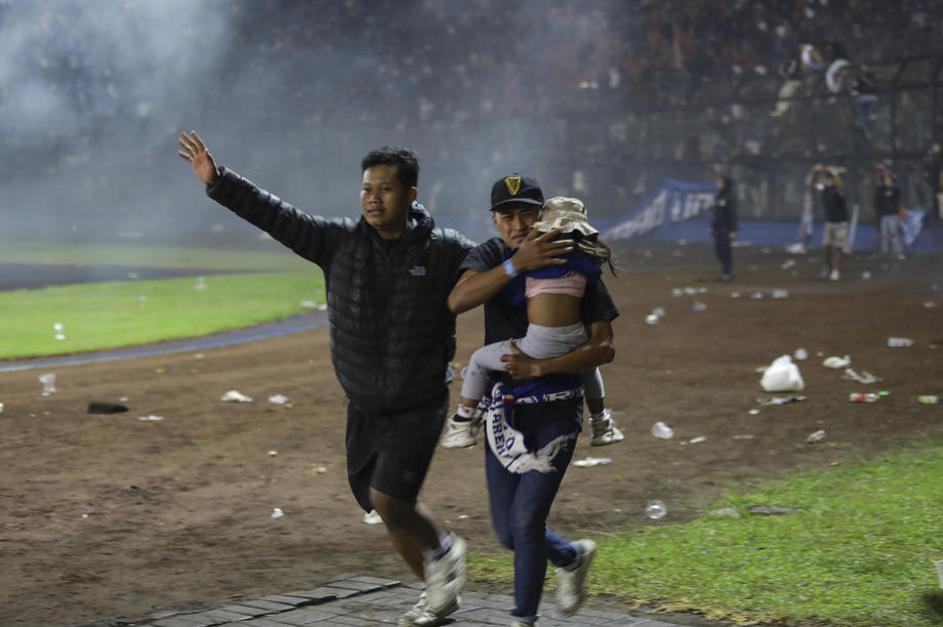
(476, 288)
(311, 237)
(597, 351)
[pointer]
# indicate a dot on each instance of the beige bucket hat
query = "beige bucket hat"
(565, 214)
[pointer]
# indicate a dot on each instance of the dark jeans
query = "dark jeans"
(520, 503)
(722, 248)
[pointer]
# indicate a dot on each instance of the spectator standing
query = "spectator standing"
(835, 237)
(724, 226)
(887, 214)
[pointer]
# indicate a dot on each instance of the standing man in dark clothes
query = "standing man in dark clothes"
(545, 396)
(724, 226)
(388, 276)
(887, 214)
(835, 238)
(933, 176)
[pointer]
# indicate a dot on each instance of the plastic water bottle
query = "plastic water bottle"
(801, 354)
(49, 383)
(656, 510)
(899, 342)
(863, 397)
(662, 431)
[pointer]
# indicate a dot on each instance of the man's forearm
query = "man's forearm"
(476, 288)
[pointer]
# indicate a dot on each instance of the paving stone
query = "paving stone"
(320, 594)
(267, 605)
(386, 583)
(260, 622)
(245, 610)
(176, 621)
(224, 617)
(305, 616)
(293, 601)
(352, 584)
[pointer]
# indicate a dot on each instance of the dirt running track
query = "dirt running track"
(107, 516)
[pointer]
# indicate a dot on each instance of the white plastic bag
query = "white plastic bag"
(782, 376)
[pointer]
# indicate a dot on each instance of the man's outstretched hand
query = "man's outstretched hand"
(193, 151)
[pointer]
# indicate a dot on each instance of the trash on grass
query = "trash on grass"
(754, 412)
(277, 512)
(96, 407)
(801, 354)
(651, 319)
(778, 400)
(150, 418)
(724, 512)
(817, 436)
(656, 510)
(923, 399)
(273, 453)
(698, 306)
(372, 517)
(837, 362)
(1, 408)
(278, 399)
(697, 440)
(744, 436)
(309, 304)
(662, 431)
(899, 342)
(592, 461)
(863, 397)
(780, 293)
(782, 376)
(756, 296)
(234, 396)
(789, 263)
(734, 294)
(863, 377)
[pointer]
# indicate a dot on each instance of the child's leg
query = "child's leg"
(483, 361)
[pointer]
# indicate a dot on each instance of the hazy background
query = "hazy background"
(93, 94)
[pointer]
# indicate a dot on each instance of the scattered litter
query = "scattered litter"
(59, 331)
(322, 307)
(150, 418)
(744, 436)
(866, 276)
(96, 407)
(372, 517)
(651, 319)
(698, 306)
(690, 291)
(782, 376)
(48, 380)
(789, 263)
(123, 399)
(592, 461)
(756, 296)
(863, 377)
(656, 510)
(734, 294)
(273, 453)
(659, 311)
(923, 399)
(724, 512)
(319, 469)
(883, 393)
(200, 284)
(801, 354)
(1, 408)
(309, 304)
(277, 512)
(677, 291)
(837, 362)
(278, 399)
(863, 397)
(929, 304)
(796, 249)
(780, 293)
(662, 431)
(159, 370)
(778, 400)
(817, 436)
(697, 440)
(234, 396)
(899, 342)
(754, 412)
(771, 510)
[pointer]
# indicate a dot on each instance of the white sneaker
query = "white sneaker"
(421, 616)
(603, 430)
(571, 584)
(834, 276)
(461, 433)
(445, 578)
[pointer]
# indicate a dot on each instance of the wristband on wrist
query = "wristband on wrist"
(509, 268)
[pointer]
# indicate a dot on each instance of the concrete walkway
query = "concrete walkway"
(363, 600)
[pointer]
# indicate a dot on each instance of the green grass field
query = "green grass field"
(859, 553)
(277, 259)
(116, 314)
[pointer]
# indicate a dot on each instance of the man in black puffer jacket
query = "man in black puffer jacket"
(388, 276)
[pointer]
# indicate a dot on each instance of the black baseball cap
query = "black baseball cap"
(516, 189)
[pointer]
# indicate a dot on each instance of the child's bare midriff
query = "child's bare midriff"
(553, 310)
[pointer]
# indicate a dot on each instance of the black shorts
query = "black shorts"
(391, 452)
